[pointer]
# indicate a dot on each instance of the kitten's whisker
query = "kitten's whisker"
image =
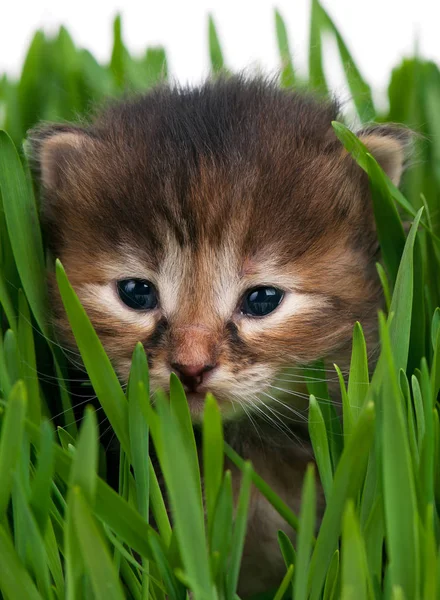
(306, 380)
(302, 369)
(103, 434)
(77, 404)
(47, 376)
(277, 421)
(292, 410)
(247, 413)
(52, 342)
(110, 441)
(304, 395)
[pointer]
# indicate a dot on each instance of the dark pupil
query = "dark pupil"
(262, 301)
(138, 294)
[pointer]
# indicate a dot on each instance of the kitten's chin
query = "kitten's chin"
(196, 403)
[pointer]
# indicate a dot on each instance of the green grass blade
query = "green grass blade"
(54, 560)
(212, 455)
(359, 379)
(41, 484)
(10, 441)
(331, 581)
(15, 581)
(12, 356)
(347, 417)
(177, 463)
(156, 66)
(398, 482)
(215, 50)
(220, 534)
(305, 535)
(35, 547)
(359, 89)
(318, 436)
(359, 152)
(172, 586)
(316, 380)
(355, 581)
(427, 451)
(85, 458)
(435, 372)
(180, 411)
(97, 560)
(239, 532)
(385, 285)
(374, 532)
(287, 72)
(284, 584)
(101, 373)
(24, 232)
(347, 481)
(158, 506)
(420, 413)
(109, 506)
(28, 362)
(287, 549)
(279, 505)
(316, 70)
(138, 394)
(118, 58)
(389, 226)
(401, 303)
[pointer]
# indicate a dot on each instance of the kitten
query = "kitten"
(227, 229)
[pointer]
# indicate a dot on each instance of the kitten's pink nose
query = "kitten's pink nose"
(191, 375)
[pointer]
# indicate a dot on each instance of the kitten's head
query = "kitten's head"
(224, 227)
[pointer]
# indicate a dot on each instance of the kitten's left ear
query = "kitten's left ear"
(390, 146)
(54, 150)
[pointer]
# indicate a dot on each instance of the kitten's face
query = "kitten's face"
(225, 229)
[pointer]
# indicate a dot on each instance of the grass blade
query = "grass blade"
(359, 379)
(97, 560)
(348, 478)
(287, 73)
(14, 579)
(10, 441)
(215, 51)
(398, 482)
(239, 532)
(101, 373)
(24, 232)
(305, 535)
(318, 437)
(212, 455)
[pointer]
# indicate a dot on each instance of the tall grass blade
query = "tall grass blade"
(12, 430)
(305, 535)
(101, 373)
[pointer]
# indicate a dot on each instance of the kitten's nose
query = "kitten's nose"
(191, 375)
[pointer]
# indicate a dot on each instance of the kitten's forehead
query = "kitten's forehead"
(230, 163)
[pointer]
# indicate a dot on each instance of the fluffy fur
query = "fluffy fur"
(208, 192)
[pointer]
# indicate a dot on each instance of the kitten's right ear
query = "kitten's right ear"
(53, 151)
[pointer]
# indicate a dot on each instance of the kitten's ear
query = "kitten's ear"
(390, 146)
(53, 151)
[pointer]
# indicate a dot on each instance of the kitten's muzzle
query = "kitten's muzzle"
(192, 376)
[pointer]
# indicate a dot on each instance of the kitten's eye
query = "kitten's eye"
(261, 301)
(138, 294)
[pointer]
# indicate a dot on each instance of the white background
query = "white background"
(378, 32)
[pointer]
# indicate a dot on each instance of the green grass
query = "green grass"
(65, 533)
